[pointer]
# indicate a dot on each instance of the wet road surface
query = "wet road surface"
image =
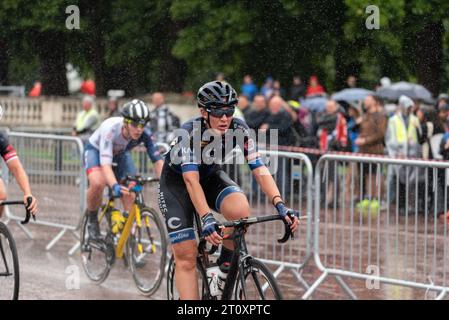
(55, 275)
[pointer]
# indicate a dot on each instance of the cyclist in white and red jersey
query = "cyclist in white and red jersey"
(9, 155)
(109, 144)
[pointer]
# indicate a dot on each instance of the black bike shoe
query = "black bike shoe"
(93, 228)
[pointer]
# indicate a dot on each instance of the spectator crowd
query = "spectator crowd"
(404, 129)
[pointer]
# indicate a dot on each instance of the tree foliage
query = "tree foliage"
(175, 45)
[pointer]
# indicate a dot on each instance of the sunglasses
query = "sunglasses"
(136, 124)
(218, 113)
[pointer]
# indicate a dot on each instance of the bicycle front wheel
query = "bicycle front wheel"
(96, 256)
(9, 266)
(256, 283)
(147, 252)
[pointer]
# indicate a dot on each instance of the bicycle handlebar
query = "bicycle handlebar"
(17, 202)
(253, 220)
(140, 179)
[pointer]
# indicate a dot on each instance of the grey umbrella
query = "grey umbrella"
(315, 104)
(411, 90)
(352, 94)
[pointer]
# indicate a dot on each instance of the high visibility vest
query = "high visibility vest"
(82, 118)
(402, 135)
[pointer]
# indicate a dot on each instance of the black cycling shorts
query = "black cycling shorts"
(178, 209)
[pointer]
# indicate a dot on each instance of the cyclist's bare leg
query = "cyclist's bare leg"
(185, 270)
(97, 184)
(233, 207)
(2, 195)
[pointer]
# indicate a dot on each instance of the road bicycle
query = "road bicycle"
(140, 239)
(248, 278)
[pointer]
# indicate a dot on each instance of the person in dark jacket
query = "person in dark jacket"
(298, 89)
(280, 121)
(257, 113)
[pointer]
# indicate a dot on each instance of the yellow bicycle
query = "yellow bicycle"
(140, 239)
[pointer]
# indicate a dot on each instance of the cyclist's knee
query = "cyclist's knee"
(96, 182)
(235, 206)
(185, 255)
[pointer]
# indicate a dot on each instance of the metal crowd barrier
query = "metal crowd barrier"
(294, 177)
(55, 169)
(377, 219)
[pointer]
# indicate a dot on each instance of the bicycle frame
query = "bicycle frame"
(239, 257)
(134, 215)
(240, 254)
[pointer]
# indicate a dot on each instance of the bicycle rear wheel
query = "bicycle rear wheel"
(203, 286)
(97, 257)
(258, 283)
(9, 266)
(147, 252)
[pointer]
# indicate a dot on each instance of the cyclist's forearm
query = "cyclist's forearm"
(197, 196)
(19, 173)
(267, 183)
(109, 174)
(158, 167)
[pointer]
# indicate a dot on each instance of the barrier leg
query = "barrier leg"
(314, 286)
(25, 230)
(441, 295)
(55, 240)
(77, 244)
(300, 279)
(346, 288)
(74, 249)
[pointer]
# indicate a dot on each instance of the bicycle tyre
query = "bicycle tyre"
(253, 267)
(4, 232)
(96, 277)
(148, 290)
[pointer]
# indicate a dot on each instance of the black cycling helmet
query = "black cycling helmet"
(217, 94)
(136, 110)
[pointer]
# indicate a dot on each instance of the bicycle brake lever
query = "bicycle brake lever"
(28, 213)
(287, 233)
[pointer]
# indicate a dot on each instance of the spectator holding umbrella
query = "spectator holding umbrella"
(249, 89)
